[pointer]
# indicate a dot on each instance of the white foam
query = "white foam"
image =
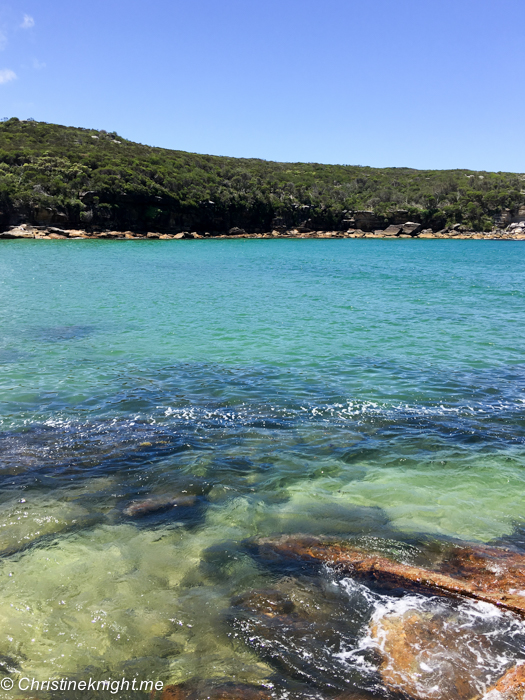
(491, 636)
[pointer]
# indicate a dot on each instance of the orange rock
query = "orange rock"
(489, 570)
(174, 692)
(427, 657)
(204, 690)
(493, 575)
(511, 686)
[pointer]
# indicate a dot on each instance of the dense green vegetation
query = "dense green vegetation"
(84, 176)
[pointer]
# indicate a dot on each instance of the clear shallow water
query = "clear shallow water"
(365, 389)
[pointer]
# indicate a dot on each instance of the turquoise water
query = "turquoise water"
(357, 388)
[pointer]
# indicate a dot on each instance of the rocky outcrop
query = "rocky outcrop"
(516, 230)
(407, 230)
(427, 650)
(410, 228)
(511, 686)
(22, 231)
(393, 230)
(492, 575)
(429, 657)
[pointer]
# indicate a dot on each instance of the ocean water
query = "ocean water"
(358, 389)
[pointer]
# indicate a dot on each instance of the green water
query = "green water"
(357, 388)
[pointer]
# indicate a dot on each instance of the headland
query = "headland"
(67, 182)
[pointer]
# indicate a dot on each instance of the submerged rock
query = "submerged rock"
(492, 575)
(138, 509)
(266, 602)
(206, 690)
(39, 520)
(430, 657)
(417, 646)
(302, 630)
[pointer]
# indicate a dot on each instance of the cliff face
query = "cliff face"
(133, 213)
(73, 178)
(107, 210)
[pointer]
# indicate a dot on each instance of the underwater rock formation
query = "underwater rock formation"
(489, 574)
(207, 690)
(138, 509)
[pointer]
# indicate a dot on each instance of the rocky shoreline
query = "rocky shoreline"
(424, 650)
(514, 232)
(425, 653)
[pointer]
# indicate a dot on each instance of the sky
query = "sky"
(407, 83)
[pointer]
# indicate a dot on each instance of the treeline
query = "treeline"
(89, 178)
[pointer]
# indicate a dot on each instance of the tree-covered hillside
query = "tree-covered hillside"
(88, 178)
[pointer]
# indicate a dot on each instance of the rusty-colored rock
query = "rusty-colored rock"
(482, 563)
(429, 657)
(205, 690)
(138, 509)
(511, 686)
(497, 573)
(493, 575)
(173, 692)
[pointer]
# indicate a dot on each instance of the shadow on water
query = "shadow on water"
(57, 334)
(10, 356)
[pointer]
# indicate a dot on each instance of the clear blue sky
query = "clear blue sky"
(418, 83)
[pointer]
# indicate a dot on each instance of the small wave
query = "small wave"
(470, 640)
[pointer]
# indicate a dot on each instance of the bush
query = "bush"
(130, 184)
